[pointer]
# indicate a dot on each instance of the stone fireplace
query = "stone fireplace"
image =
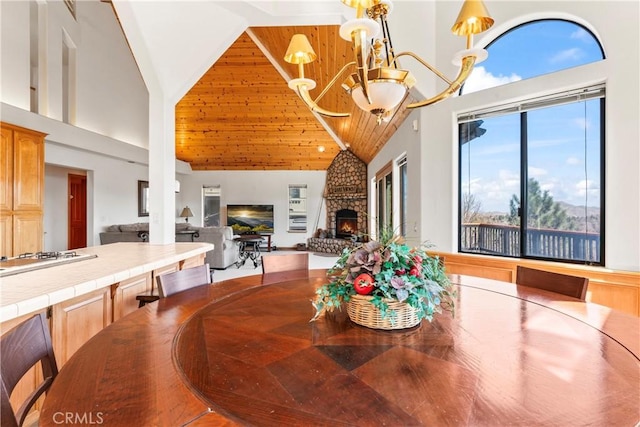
(346, 197)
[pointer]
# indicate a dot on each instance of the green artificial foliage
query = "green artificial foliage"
(400, 273)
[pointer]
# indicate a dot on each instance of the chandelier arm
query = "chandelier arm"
(333, 80)
(388, 48)
(360, 48)
(423, 62)
(465, 70)
(303, 93)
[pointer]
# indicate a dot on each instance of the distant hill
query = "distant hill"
(579, 211)
(592, 219)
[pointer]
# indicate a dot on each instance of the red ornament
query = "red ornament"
(363, 284)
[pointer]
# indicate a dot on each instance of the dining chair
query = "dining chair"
(286, 262)
(181, 280)
(22, 348)
(573, 286)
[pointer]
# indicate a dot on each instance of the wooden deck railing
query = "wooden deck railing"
(505, 240)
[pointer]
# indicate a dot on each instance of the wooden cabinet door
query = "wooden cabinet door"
(78, 319)
(6, 170)
(6, 234)
(27, 232)
(28, 170)
(124, 297)
(194, 261)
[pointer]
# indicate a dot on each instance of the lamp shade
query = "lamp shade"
(472, 19)
(365, 4)
(387, 88)
(186, 213)
(300, 50)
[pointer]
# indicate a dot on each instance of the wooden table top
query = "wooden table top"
(243, 352)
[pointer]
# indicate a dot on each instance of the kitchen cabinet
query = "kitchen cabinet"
(125, 292)
(79, 313)
(76, 320)
(22, 195)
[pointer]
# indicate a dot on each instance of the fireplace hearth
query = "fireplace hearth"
(346, 223)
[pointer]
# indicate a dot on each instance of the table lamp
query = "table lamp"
(186, 213)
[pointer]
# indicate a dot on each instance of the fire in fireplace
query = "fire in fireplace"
(346, 223)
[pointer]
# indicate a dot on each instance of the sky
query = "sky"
(563, 141)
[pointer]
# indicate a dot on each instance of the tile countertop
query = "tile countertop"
(31, 291)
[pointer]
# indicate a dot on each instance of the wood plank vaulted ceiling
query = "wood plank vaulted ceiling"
(241, 115)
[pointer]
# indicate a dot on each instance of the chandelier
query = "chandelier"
(378, 84)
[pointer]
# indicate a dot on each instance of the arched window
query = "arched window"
(531, 171)
(533, 49)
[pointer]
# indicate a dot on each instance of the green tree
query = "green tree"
(542, 211)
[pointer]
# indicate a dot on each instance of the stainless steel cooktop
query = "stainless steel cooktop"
(35, 261)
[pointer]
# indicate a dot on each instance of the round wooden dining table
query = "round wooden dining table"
(243, 352)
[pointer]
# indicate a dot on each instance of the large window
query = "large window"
(531, 178)
(533, 49)
(211, 206)
(402, 172)
(384, 200)
(531, 173)
(298, 208)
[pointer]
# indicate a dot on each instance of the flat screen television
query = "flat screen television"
(247, 219)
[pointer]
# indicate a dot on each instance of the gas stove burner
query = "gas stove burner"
(48, 255)
(26, 255)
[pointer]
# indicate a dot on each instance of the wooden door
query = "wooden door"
(77, 211)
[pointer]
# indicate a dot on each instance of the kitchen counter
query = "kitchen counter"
(31, 291)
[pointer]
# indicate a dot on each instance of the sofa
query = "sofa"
(224, 254)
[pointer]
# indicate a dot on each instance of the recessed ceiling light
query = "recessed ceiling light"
(321, 148)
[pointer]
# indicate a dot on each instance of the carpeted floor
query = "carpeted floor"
(316, 260)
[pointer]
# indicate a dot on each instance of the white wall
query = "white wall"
(620, 38)
(406, 141)
(111, 97)
(259, 187)
(112, 192)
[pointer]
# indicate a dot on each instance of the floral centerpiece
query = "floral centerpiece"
(385, 278)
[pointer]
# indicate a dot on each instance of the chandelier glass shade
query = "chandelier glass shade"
(377, 84)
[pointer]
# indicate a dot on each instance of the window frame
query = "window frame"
(298, 214)
(584, 94)
(205, 213)
(383, 205)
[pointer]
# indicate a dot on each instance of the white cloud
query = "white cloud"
(573, 161)
(509, 179)
(482, 79)
(587, 187)
(536, 172)
(582, 35)
(582, 123)
(572, 54)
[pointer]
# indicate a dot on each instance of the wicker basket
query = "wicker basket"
(362, 312)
